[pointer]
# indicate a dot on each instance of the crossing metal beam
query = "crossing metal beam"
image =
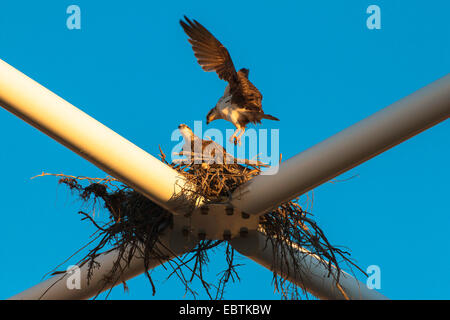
(60, 287)
(347, 149)
(120, 158)
(312, 274)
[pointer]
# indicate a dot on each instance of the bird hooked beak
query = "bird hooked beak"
(211, 115)
(208, 118)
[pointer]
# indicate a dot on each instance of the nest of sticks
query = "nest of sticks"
(135, 225)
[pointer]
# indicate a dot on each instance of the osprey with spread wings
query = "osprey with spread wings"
(241, 102)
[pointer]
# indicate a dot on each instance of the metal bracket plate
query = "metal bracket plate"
(216, 222)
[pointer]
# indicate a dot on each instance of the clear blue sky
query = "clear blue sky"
(320, 70)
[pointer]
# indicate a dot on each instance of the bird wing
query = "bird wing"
(210, 53)
(247, 95)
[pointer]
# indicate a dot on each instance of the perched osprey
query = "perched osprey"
(241, 102)
(208, 151)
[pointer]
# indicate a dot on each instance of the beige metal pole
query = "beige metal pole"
(59, 286)
(313, 275)
(347, 149)
(88, 138)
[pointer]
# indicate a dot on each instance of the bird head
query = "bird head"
(184, 129)
(211, 116)
(245, 72)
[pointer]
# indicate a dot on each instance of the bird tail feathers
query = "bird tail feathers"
(269, 117)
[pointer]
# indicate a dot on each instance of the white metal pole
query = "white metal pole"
(347, 149)
(313, 275)
(87, 137)
(103, 147)
(63, 286)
